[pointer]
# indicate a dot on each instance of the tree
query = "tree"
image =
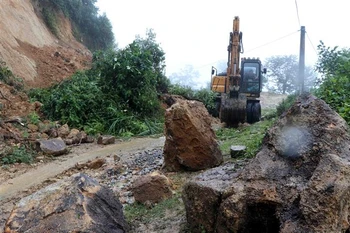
(332, 61)
(283, 74)
(134, 75)
(334, 66)
(185, 77)
(157, 58)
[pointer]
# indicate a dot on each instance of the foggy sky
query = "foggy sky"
(196, 32)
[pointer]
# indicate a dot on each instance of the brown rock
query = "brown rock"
(76, 204)
(97, 163)
(73, 133)
(106, 139)
(151, 188)
(298, 182)
(33, 128)
(76, 137)
(63, 131)
(190, 141)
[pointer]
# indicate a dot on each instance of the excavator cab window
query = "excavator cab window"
(251, 77)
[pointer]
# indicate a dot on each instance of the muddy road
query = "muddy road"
(23, 184)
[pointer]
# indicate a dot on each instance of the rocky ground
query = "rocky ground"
(120, 167)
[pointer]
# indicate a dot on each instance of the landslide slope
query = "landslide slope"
(31, 51)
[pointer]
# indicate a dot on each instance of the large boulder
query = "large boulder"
(298, 182)
(190, 141)
(53, 146)
(77, 204)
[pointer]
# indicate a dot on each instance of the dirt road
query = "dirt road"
(42, 173)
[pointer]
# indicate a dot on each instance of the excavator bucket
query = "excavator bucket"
(233, 111)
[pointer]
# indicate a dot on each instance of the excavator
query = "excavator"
(238, 88)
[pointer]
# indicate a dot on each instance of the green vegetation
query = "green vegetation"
(251, 136)
(7, 77)
(334, 65)
(206, 96)
(118, 95)
(145, 214)
(33, 118)
(51, 21)
(286, 104)
(17, 154)
(94, 30)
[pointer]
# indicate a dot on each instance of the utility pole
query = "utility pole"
(302, 60)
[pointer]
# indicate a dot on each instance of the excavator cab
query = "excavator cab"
(251, 77)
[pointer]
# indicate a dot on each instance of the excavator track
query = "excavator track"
(233, 111)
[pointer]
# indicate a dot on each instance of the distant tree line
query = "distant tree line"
(92, 29)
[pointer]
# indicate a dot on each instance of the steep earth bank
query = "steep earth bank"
(31, 51)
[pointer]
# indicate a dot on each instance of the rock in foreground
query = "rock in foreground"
(152, 188)
(77, 204)
(298, 182)
(190, 141)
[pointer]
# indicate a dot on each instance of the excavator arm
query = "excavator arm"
(233, 62)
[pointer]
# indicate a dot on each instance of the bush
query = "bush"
(334, 66)
(9, 78)
(118, 95)
(335, 92)
(206, 96)
(17, 155)
(286, 104)
(50, 20)
(74, 101)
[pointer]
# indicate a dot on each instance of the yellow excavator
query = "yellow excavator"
(238, 88)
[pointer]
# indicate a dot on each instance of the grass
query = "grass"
(145, 214)
(164, 213)
(250, 136)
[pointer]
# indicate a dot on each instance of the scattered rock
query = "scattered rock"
(54, 146)
(63, 131)
(33, 128)
(106, 139)
(151, 188)
(76, 137)
(97, 163)
(190, 141)
(298, 182)
(76, 204)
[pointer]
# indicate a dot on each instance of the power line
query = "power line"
(268, 43)
(296, 6)
(272, 41)
(307, 34)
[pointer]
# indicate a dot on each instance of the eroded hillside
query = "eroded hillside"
(31, 51)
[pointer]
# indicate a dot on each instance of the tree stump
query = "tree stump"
(237, 151)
